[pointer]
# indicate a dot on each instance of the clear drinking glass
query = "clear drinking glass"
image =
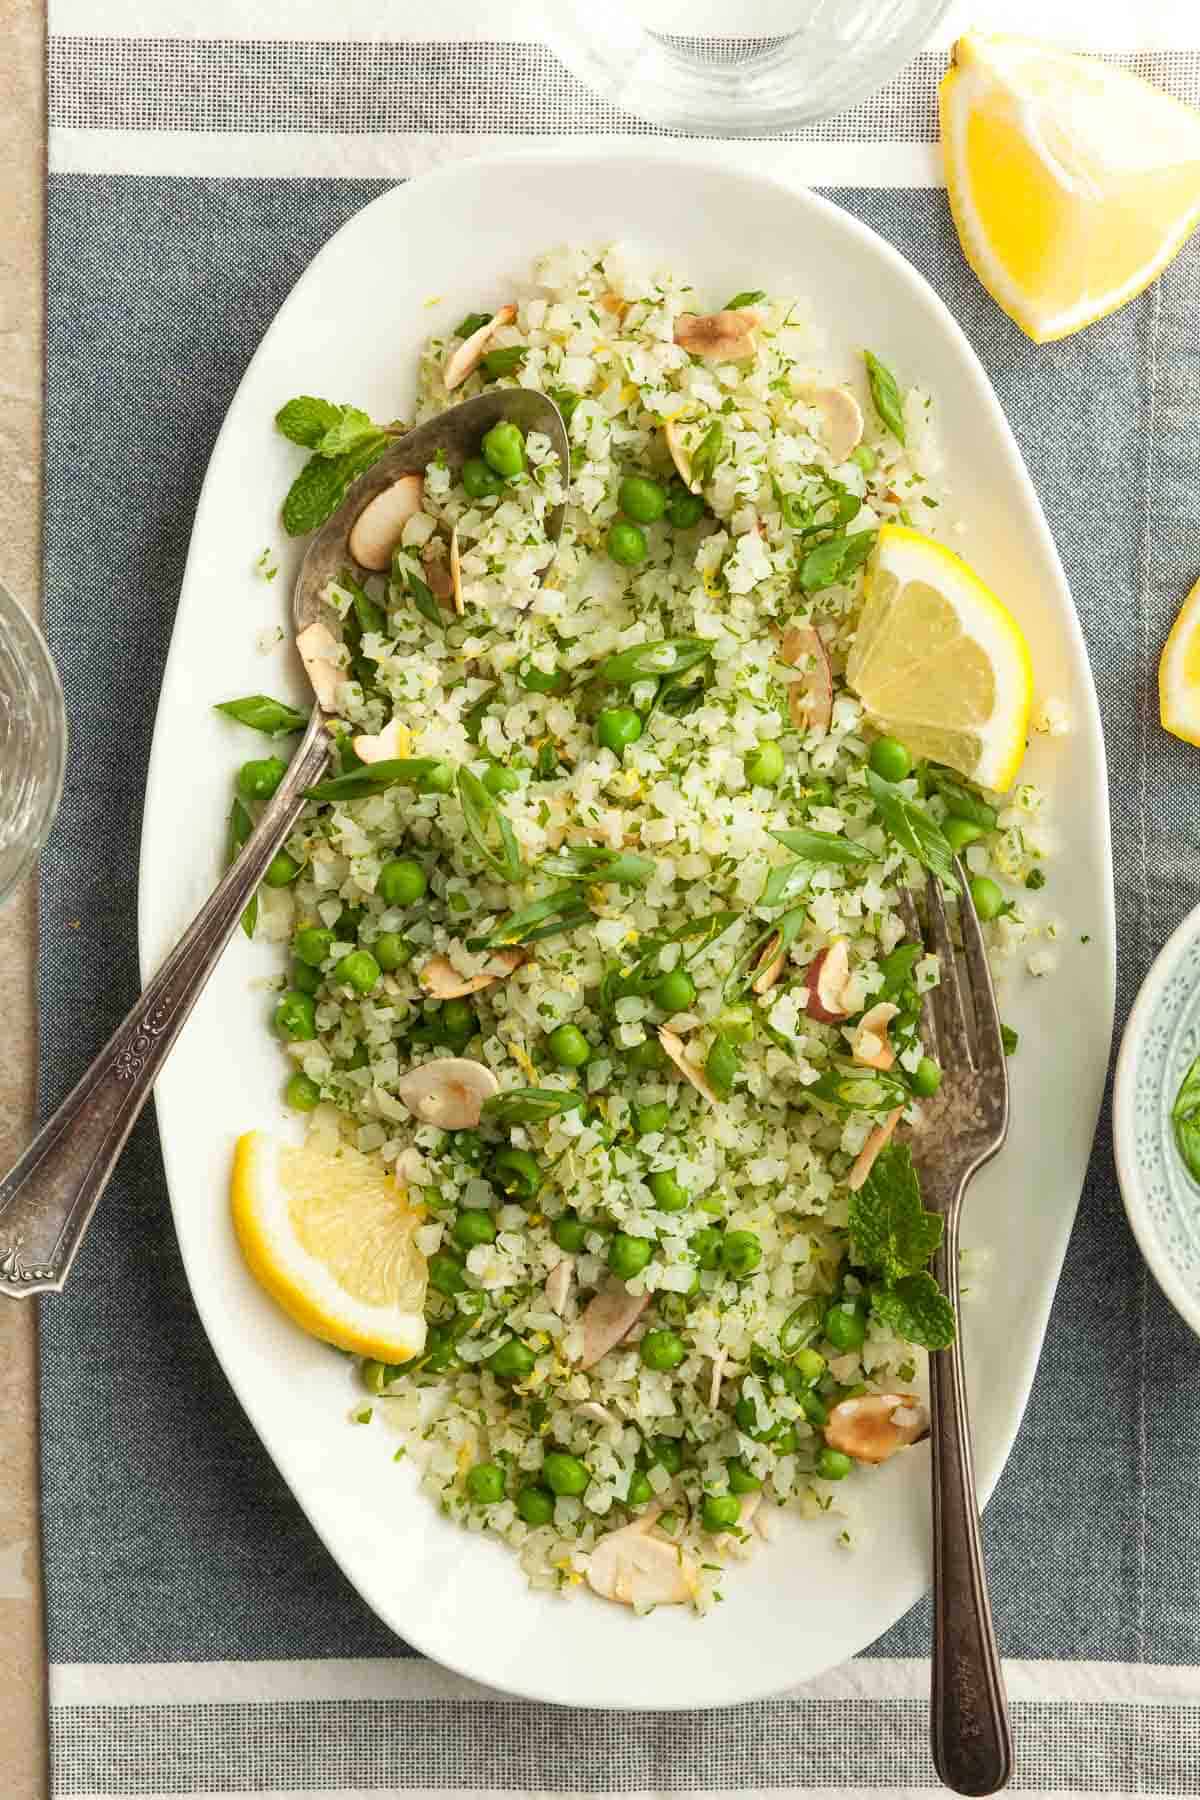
(743, 70)
(33, 742)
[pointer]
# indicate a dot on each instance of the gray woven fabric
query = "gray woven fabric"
(169, 1537)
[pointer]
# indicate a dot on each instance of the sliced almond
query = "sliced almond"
(437, 572)
(771, 965)
(869, 1044)
(878, 1139)
(608, 1317)
(613, 303)
(393, 741)
(320, 653)
(719, 336)
(639, 1569)
(873, 1427)
(377, 531)
(673, 432)
(677, 1051)
(448, 1092)
(443, 981)
(826, 982)
(841, 420)
(558, 1284)
(715, 1380)
(595, 1414)
(810, 700)
(456, 588)
(466, 359)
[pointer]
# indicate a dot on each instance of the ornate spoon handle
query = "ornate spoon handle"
(48, 1197)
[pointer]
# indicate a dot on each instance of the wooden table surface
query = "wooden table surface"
(22, 157)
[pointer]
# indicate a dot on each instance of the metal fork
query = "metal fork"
(960, 1131)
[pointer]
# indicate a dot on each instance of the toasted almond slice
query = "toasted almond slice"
(673, 432)
(826, 980)
(613, 303)
(393, 741)
(380, 525)
(719, 336)
(440, 978)
(841, 420)
(608, 1317)
(639, 1569)
(870, 1045)
(558, 1284)
(320, 653)
(810, 700)
(467, 358)
(456, 591)
(770, 966)
(447, 1092)
(877, 1141)
(873, 1427)
(715, 1380)
(595, 1414)
(676, 1050)
(437, 572)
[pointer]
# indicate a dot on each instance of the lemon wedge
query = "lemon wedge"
(329, 1235)
(939, 662)
(1179, 673)
(1072, 183)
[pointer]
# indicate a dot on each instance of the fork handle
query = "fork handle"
(971, 1737)
(48, 1197)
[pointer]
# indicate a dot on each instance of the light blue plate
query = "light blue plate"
(1161, 1041)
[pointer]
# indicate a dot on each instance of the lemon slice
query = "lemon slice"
(330, 1236)
(1072, 183)
(939, 662)
(1179, 673)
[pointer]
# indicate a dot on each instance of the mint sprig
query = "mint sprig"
(344, 441)
(916, 1309)
(894, 1238)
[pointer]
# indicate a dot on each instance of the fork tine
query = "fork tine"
(989, 1043)
(912, 924)
(953, 1035)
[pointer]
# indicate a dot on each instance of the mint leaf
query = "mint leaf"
(323, 482)
(913, 828)
(350, 428)
(306, 419)
(835, 559)
(916, 1309)
(471, 324)
(885, 392)
(893, 1234)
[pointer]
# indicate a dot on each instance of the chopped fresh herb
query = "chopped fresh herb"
(786, 929)
(489, 830)
(472, 719)
(913, 828)
(897, 968)
(528, 1106)
(835, 559)
(377, 778)
(405, 584)
(885, 392)
(1009, 1038)
(472, 323)
(547, 917)
(707, 454)
(273, 717)
(1035, 879)
(822, 846)
(853, 1089)
(504, 362)
(566, 400)
(589, 862)
(749, 297)
(665, 656)
(240, 827)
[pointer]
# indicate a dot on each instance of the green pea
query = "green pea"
(281, 870)
(626, 544)
(258, 780)
(889, 759)
(741, 1481)
(706, 1246)
(640, 1492)
(646, 1056)
(987, 898)
(617, 727)
(306, 979)
(535, 1505)
(445, 1274)
(516, 1173)
(565, 1475)
(722, 1063)
(815, 1409)
(958, 833)
(513, 1361)
(865, 457)
(480, 482)
(764, 765)
(311, 944)
(437, 780)
(720, 1511)
(391, 951)
(401, 882)
(785, 1440)
(641, 499)
(674, 992)
(845, 1325)
(358, 970)
(628, 1256)
(485, 1483)
(647, 1119)
(296, 1017)
(539, 681)
(504, 449)
(833, 1465)
(684, 509)
(741, 1253)
(568, 1046)
(926, 1078)
(667, 1452)
(669, 1195)
(458, 1020)
(663, 1350)
(302, 1092)
(471, 1228)
(499, 780)
(809, 1366)
(569, 1233)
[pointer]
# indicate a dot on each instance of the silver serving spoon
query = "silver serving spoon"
(48, 1197)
